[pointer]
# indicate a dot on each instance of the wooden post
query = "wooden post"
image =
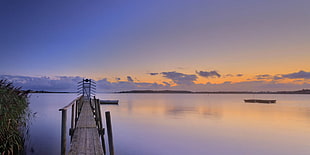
(96, 113)
(101, 129)
(63, 130)
(79, 102)
(89, 90)
(83, 88)
(76, 111)
(72, 122)
(80, 106)
(109, 128)
(72, 117)
(95, 105)
(99, 113)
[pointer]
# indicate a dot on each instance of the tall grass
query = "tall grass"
(13, 118)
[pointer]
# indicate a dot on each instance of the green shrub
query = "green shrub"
(13, 118)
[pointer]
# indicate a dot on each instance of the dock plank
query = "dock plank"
(85, 140)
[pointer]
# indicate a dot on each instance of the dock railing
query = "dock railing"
(76, 106)
(85, 119)
(95, 105)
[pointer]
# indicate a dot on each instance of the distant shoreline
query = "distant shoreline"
(32, 91)
(303, 91)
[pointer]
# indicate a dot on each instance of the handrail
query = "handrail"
(70, 104)
(74, 117)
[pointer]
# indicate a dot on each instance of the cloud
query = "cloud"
(246, 86)
(277, 77)
(208, 74)
(298, 75)
(180, 78)
(177, 81)
(105, 85)
(58, 83)
(167, 84)
(231, 75)
(129, 79)
(264, 76)
(153, 73)
(68, 83)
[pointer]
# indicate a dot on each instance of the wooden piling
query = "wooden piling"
(63, 130)
(99, 113)
(76, 111)
(109, 128)
(72, 117)
(100, 126)
(71, 130)
(64, 122)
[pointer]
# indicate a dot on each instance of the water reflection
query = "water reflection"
(178, 111)
(211, 112)
(210, 124)
(45, 128)
(167, 124)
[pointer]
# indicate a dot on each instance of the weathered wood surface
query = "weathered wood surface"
(86, 139)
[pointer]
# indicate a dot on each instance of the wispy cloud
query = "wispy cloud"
(63, 83)
(153, 73)
(67, 83)
(105, 85)
(180, 78)
(176, 81)
(129, 79)
(297, 75)
(246, 86)
(167, 84)
(208, 74)
(228, 75)
(264, 77)
(232, 75)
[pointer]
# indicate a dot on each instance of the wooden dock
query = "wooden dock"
(85, 139)
(87, 131)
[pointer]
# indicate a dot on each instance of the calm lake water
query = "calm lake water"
(200, 124)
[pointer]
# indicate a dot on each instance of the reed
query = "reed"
(13, 118)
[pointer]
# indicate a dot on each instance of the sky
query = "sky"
(199, 45)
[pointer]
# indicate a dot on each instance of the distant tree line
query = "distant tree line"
(303, 91)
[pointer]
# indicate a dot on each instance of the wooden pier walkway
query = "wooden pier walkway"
(85, 139)
(87, 131)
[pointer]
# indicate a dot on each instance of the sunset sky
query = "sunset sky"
(200, 45)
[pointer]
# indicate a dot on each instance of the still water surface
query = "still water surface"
(168, 124)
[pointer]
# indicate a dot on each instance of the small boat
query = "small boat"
(108, 101)
(259, 101)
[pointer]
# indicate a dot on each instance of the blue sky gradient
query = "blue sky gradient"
(115, 39)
